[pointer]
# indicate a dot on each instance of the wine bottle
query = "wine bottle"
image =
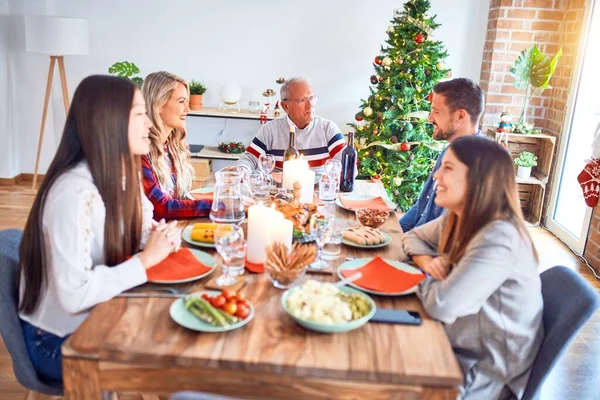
(348, 165)
(291, 153)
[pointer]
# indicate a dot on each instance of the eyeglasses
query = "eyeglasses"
(312, 100)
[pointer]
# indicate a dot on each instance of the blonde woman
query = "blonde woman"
(167, 171)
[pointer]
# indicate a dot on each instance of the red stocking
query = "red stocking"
(589, 180)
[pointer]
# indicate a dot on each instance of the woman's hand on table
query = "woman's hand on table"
(164, 239)
(437, 267)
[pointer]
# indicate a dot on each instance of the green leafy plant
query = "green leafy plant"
(532, 70)
(126, 69)
(526, 159)
(197, 87)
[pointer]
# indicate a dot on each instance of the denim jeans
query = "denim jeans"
(44, 352)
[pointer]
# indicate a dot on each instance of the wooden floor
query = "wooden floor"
(576, 376)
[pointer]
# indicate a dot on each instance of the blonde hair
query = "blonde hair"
(157, 90)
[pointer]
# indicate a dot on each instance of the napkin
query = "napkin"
(177, 266)
(256, 268)
(380, 276)
(376, 203)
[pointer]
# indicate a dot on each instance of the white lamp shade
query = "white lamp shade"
(230, 93)
(56, 36)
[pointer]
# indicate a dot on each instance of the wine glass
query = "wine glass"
(256, 180)
(231, 246)
(266, 163)
(321, 227)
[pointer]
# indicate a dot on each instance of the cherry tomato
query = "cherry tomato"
(206, 296)
(240, 296)
(242, 312)
(228, 294)
(230, 308)
(243, 302)
(219, 301)
(232, 300)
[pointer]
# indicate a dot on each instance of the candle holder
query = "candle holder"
(285, 267)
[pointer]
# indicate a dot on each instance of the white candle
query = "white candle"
(282, 231)
(292, 172)
(259, 218)
(308, 187)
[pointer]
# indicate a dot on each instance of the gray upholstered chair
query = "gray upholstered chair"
(569, 301)
(11, 330)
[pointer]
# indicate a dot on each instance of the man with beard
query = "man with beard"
(456, 108)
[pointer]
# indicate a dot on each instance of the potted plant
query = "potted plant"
(525, 161)
(127, 70)
(197, 89)
(532, 70)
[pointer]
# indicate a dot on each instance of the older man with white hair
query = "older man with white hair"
(317, 139)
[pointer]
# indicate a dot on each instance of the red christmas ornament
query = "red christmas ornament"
(358, 117)
(449, 74)
(419, 38)
(375, 132)
(381, 79)
(430, 97)
(378, 60)
(405, 146)
(399, 61)
(373, 79)
(589, 180)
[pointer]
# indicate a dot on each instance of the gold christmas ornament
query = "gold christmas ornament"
(386, 61)
(440, 65)
(367, 111)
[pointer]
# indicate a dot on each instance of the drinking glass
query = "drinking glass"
(231, 246)
(256, 180)
(334, 168)
(321, 226)
(266, 162)
(328, 191)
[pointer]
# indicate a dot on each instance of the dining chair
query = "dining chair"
(11, 330)
(569, 301)
(191, 395)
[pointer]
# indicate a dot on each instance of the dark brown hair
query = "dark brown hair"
(491, 195)
(462, 93)
(96, 131)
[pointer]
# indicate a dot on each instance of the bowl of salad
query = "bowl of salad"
(323, 307)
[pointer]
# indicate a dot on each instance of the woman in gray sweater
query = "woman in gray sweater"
(481, 264)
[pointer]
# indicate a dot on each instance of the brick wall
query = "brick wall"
(514, 25)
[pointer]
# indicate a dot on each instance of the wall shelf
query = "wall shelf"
(215, 113)
(531, 190)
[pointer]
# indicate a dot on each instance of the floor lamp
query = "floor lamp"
(57, 37)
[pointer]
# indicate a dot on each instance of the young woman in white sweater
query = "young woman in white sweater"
(482, 281)
(90, 218)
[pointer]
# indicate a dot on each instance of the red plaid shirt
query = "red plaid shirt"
(168, 206)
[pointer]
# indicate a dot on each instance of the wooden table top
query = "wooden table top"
(140, 331)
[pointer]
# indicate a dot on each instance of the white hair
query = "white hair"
(285, 89)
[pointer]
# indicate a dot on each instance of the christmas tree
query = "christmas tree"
(393, 139)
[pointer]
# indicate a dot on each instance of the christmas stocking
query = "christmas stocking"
(589, 180)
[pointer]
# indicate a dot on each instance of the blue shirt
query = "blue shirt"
(425, 209)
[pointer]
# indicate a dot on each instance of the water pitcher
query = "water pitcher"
(227, 206)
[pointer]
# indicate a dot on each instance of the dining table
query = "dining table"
(133, 345)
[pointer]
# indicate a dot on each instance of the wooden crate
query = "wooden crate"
(202, 169)
(531, 190)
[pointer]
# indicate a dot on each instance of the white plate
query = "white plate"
(359, 262)
(187, 236)
(388, 240)
(207, 189)
(188, 320)
(204, 258)
(338, 202)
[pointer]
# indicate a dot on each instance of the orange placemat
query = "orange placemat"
(376, 203)
(380, 276)
(177, 266)
(256, 268)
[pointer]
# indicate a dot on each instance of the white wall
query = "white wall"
(230, 41)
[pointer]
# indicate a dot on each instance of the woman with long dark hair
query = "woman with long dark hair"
(482, 281)
(89, 218)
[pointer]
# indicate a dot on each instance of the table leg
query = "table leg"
(81, 379)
